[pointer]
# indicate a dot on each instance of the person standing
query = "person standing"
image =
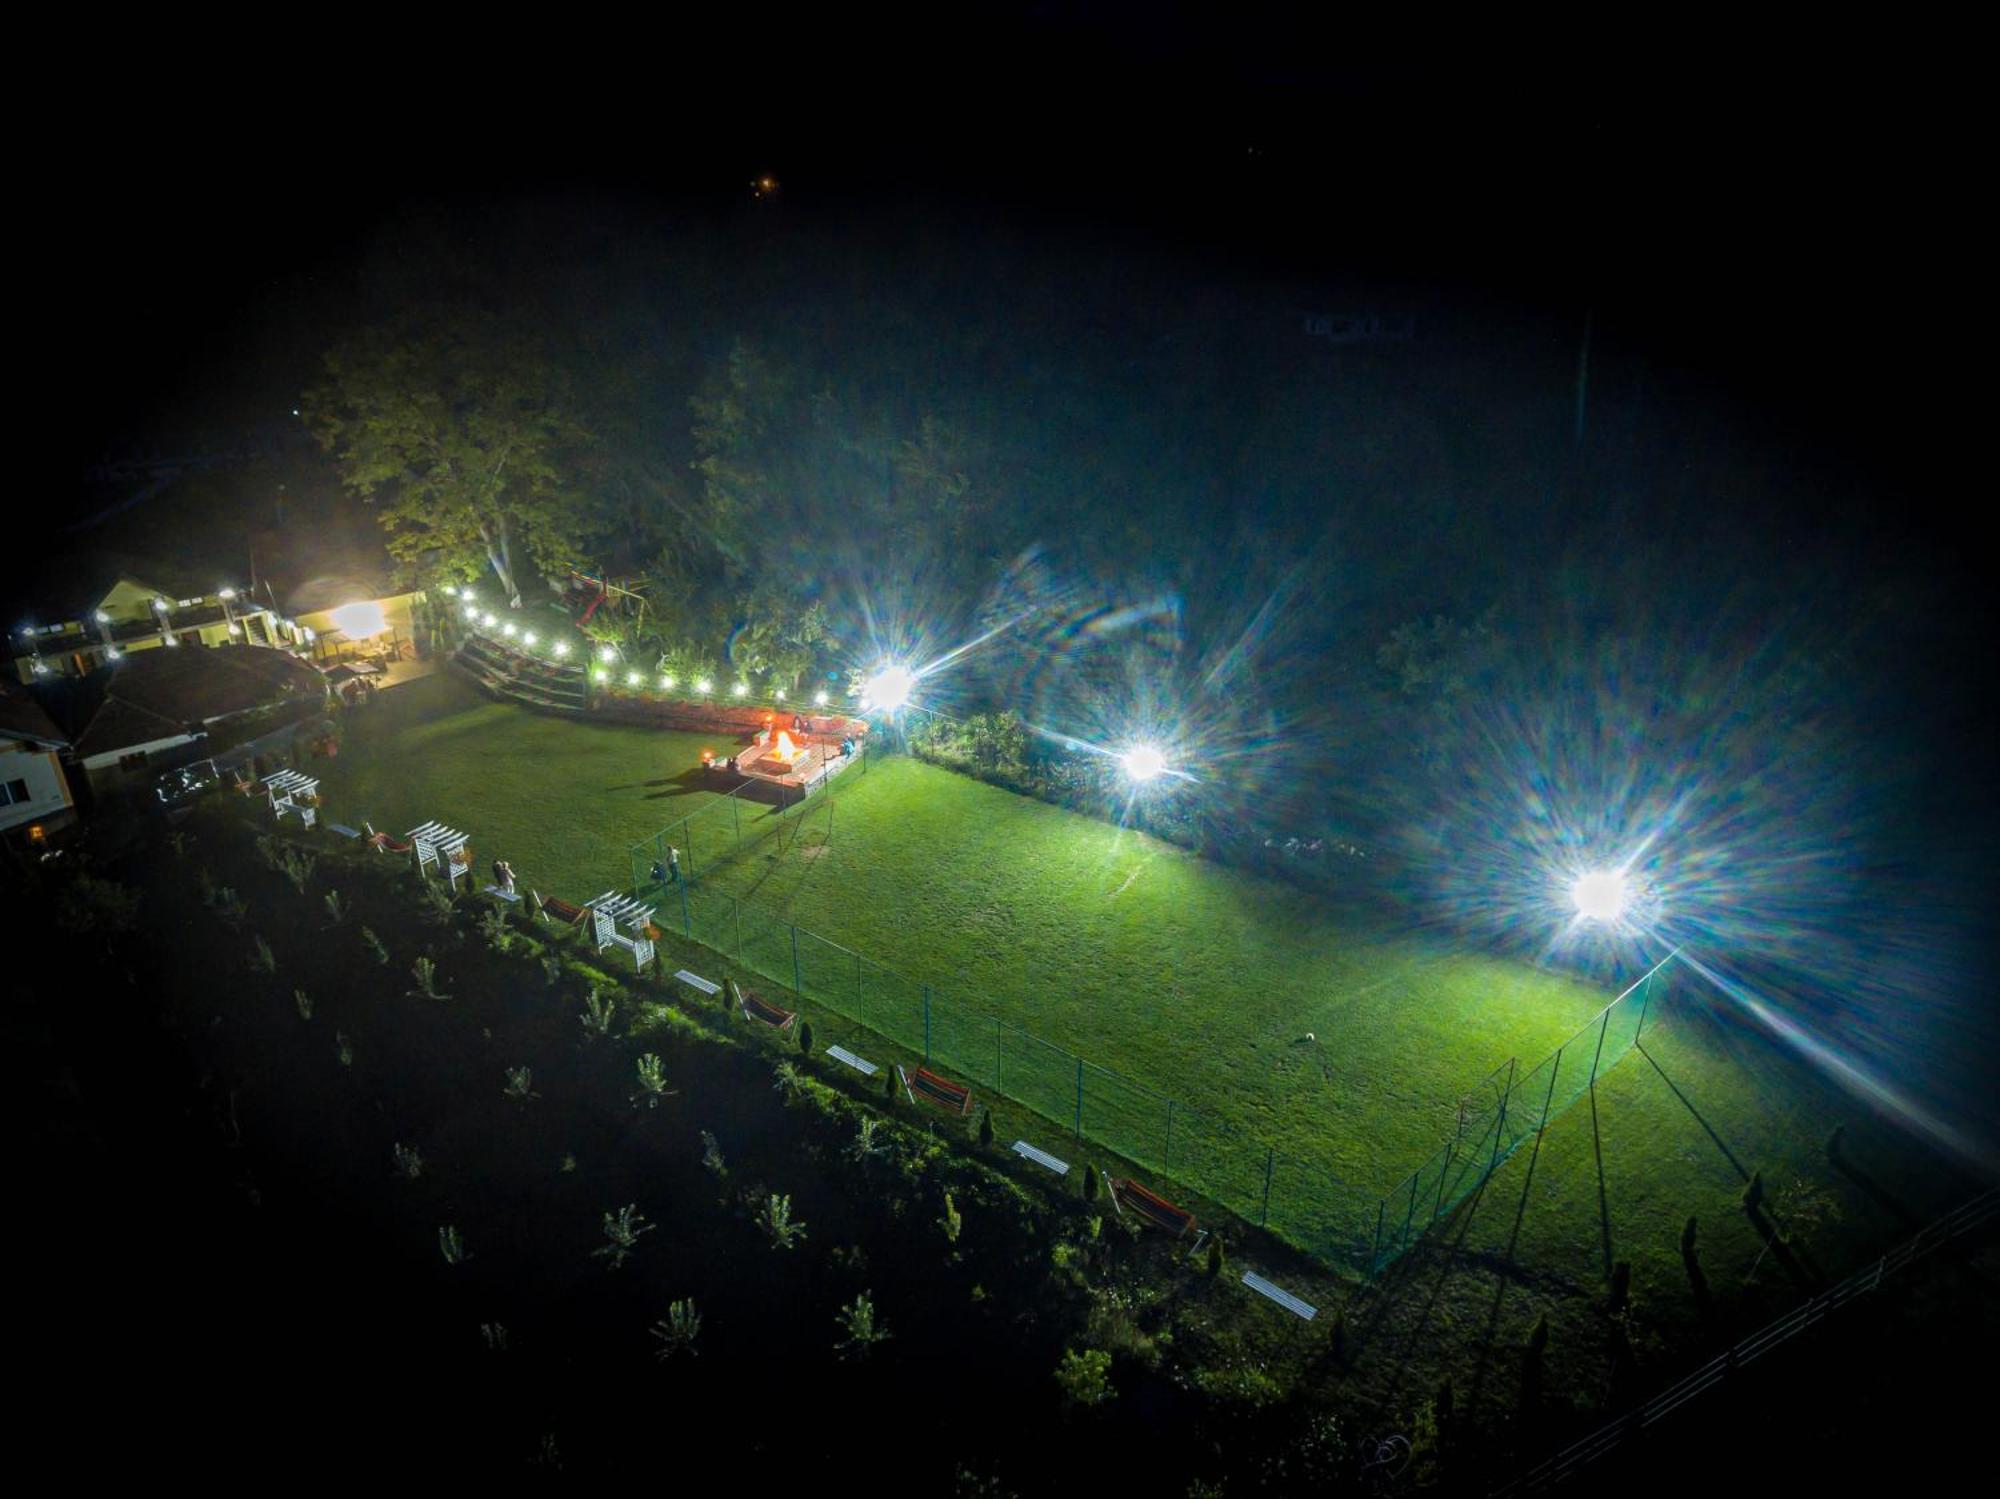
(503, 876)
(673, 866)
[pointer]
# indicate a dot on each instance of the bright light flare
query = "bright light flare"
(819, 698)
(1143, 762)
(1601, 895)
(889, 688)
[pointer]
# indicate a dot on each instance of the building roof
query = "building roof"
(21, 717)
(158, 694)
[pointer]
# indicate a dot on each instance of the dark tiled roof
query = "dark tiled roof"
(119, 725)
(157, 693)
(21, 717)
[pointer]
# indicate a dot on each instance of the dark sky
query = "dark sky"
(1793, 227)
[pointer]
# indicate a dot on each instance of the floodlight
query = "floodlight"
(486, 618)
(235, 628)
(598, 674)
(562, 647)
(471, 612)
(1599, 895)
(631, 679)
(450, 591)
(226, 593)
(779, 694)
(529, 638)
(889, 688)
(607, 655)
(114, 654)
(173, 640)
(704, 685)
(360, 621)
(741, 689)
(103, 618)
(508, 629)
(1143, 762)
(309, 634)
(161, 605)
(667, 682)
(819, 698)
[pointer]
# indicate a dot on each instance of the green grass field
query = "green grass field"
(1195, 980)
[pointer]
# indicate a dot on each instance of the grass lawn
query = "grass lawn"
(1196, 981)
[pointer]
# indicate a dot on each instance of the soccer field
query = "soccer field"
(1197, 981)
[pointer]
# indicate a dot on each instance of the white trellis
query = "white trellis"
(294, 791)
(609, 909)
(445, 847)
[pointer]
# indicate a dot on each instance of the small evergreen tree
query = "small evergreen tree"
(1215, 1257)
(805, 1037)
(986, 1128)
(1089, 1182)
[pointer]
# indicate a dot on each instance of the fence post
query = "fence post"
(736, 921)
(927, 1025)
(1167, 1159)
(1375, 1253)
(858, 1012)
(1438, 1206)
(996, 1051)
(1079, 1098)
(1645, 998)
(1264, 1217)
(1601, 1029)
(798, 985)
(1553, 1070)
(687, 926)
(1410, 1213)
(736, 816)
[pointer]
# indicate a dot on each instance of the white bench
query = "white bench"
(445, 847)
(1040, 1157)
(498, 894)
(859, 1064)
(1278, 1294)
(697, 982)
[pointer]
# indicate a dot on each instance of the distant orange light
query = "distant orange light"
(36, 834)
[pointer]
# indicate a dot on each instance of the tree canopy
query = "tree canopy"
(458, 426)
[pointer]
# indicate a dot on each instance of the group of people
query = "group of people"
(667, 871)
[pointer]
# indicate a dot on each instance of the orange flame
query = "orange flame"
(784, 751)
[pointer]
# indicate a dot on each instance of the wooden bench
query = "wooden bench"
(1278, 1294)
(1150, 1206)
(1028, 1152)
(860, 1064)
(762, 1009)
(941, 1091)
(554, 907)
(699, 984)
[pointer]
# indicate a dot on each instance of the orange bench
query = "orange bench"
(558, 908)
(758, 1008)
(941, 1091)
(1152, 1207)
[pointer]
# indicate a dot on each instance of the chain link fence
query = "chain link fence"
(1507, 1108)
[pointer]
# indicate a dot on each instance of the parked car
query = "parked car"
(184, 783)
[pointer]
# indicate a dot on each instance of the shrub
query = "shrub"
(336, 908)
(1215, 1257)
(677, 1330)
(304, 1001)
(622, 1229)
(451, 1244)
(950, 1222)
(374, 945)
(857, 1320)
(262, 959)
(409, 1161)
(1084, 1376)
(986, 1129)
(1089, 1182)
(806, 1037)
(775, 1218)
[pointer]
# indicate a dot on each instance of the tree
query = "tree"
(459, 426)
